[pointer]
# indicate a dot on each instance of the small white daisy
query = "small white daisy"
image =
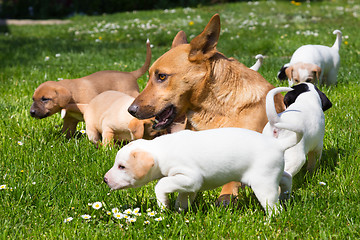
(136, 211)
(115, 210)
(322, 183)
(97, 205)
(86, 216)
(47, 58)
(20, 143)
(131, 220)
(2, 187)
(57, 55)
(119, 215)
(82, 131)
(128, 211)
(147, 222)
(69, 219)
(159, 219)
(151, 214)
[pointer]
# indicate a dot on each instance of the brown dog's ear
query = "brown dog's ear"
(140, 162)
(203, 46)
(317, 71)
(288, 72)
(136, 128)
(63, 95)
(179, 39)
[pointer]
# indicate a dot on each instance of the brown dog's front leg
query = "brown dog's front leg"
(228, 192)
(69, 126)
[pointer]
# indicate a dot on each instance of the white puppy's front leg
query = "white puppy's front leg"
(176, 183)
(285, 186)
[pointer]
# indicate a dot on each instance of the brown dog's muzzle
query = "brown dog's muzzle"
(38, 112)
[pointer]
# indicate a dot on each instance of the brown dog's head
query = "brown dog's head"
(49, 98)
(173, 76)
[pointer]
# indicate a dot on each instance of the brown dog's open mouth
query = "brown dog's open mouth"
(164, 118)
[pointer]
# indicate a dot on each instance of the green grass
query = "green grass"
(49, 178)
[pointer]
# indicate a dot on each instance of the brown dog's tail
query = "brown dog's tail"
(138, 73)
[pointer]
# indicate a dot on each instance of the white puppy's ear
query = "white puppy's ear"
(140, 163)
(281, 74)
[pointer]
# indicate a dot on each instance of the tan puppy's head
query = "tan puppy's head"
(130, 170)
(174, 75)
(49, 98)
(303, 72)
(143, 129)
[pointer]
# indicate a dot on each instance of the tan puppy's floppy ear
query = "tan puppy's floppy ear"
(140, 163)
(203, 46)
(136, 128)
(179, 39)
(63, 95)
(288, 72)
(317, 71)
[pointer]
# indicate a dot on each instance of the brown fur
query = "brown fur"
(140, 163)
(50, 97)
(212, 90)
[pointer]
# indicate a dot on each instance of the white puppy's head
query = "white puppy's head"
(131, 168)
(301, 88)
(300, 72)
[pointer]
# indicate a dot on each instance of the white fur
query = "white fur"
(327, 58)
(258, 63)
(189, 161)
(305, 118)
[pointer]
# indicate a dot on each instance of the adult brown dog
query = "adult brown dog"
(51, 97)
(213, 91)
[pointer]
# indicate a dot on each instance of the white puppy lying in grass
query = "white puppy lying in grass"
(187, 162)
(304, 115)
(313, 63)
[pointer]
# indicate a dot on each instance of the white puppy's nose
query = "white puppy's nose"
(105, 180)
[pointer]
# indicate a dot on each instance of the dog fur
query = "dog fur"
(107, 118)
(212, 90)
(314, 64)
(304, 116)
(51, 97)
(189, 161)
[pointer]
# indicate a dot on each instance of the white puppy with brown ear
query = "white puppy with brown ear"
(190, 161)
(305, 116)
(313, 63)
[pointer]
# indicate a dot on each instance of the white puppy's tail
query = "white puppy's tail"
(258, 63)
(338, 39)
(270, 105)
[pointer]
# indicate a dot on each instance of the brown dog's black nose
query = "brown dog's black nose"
(133, 109)
(32, 112)
(105, 180)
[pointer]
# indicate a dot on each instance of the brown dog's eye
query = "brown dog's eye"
(44, 99)
(121, 166)
(162, 77)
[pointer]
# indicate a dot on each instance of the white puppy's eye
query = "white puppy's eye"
(121, 166)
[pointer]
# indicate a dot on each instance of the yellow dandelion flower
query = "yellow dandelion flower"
(191, 23)
(346, 42)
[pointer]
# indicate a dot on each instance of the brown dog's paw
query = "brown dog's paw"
(225, 200)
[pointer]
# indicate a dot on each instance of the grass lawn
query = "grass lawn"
(46, 178)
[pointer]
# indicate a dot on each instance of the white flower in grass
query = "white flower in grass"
(136, 212)
(131, 220)
(322, 183)
(97, 205)
(57, 55)
(86, 216)
(59, 79)
(108, 212)
(2, 187)
(151, 214)
(82, 131)
(128, 211)
(119, 215)
(126, 216)
(20, 143)
(115, 210)
(89, 204)
(69, 219)
(47, 58)
(159, 219)
(147, 222)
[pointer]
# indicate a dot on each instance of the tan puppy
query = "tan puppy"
(213, 91)
(106, 117)
(51, 97)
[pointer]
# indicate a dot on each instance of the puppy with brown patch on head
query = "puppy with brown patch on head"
(314, 64)
(106, 117)
(213, 91)
(305, 114)
(190, 161)
(51, 97)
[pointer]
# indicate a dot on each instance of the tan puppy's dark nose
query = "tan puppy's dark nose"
(32, 112)
(133, 109)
